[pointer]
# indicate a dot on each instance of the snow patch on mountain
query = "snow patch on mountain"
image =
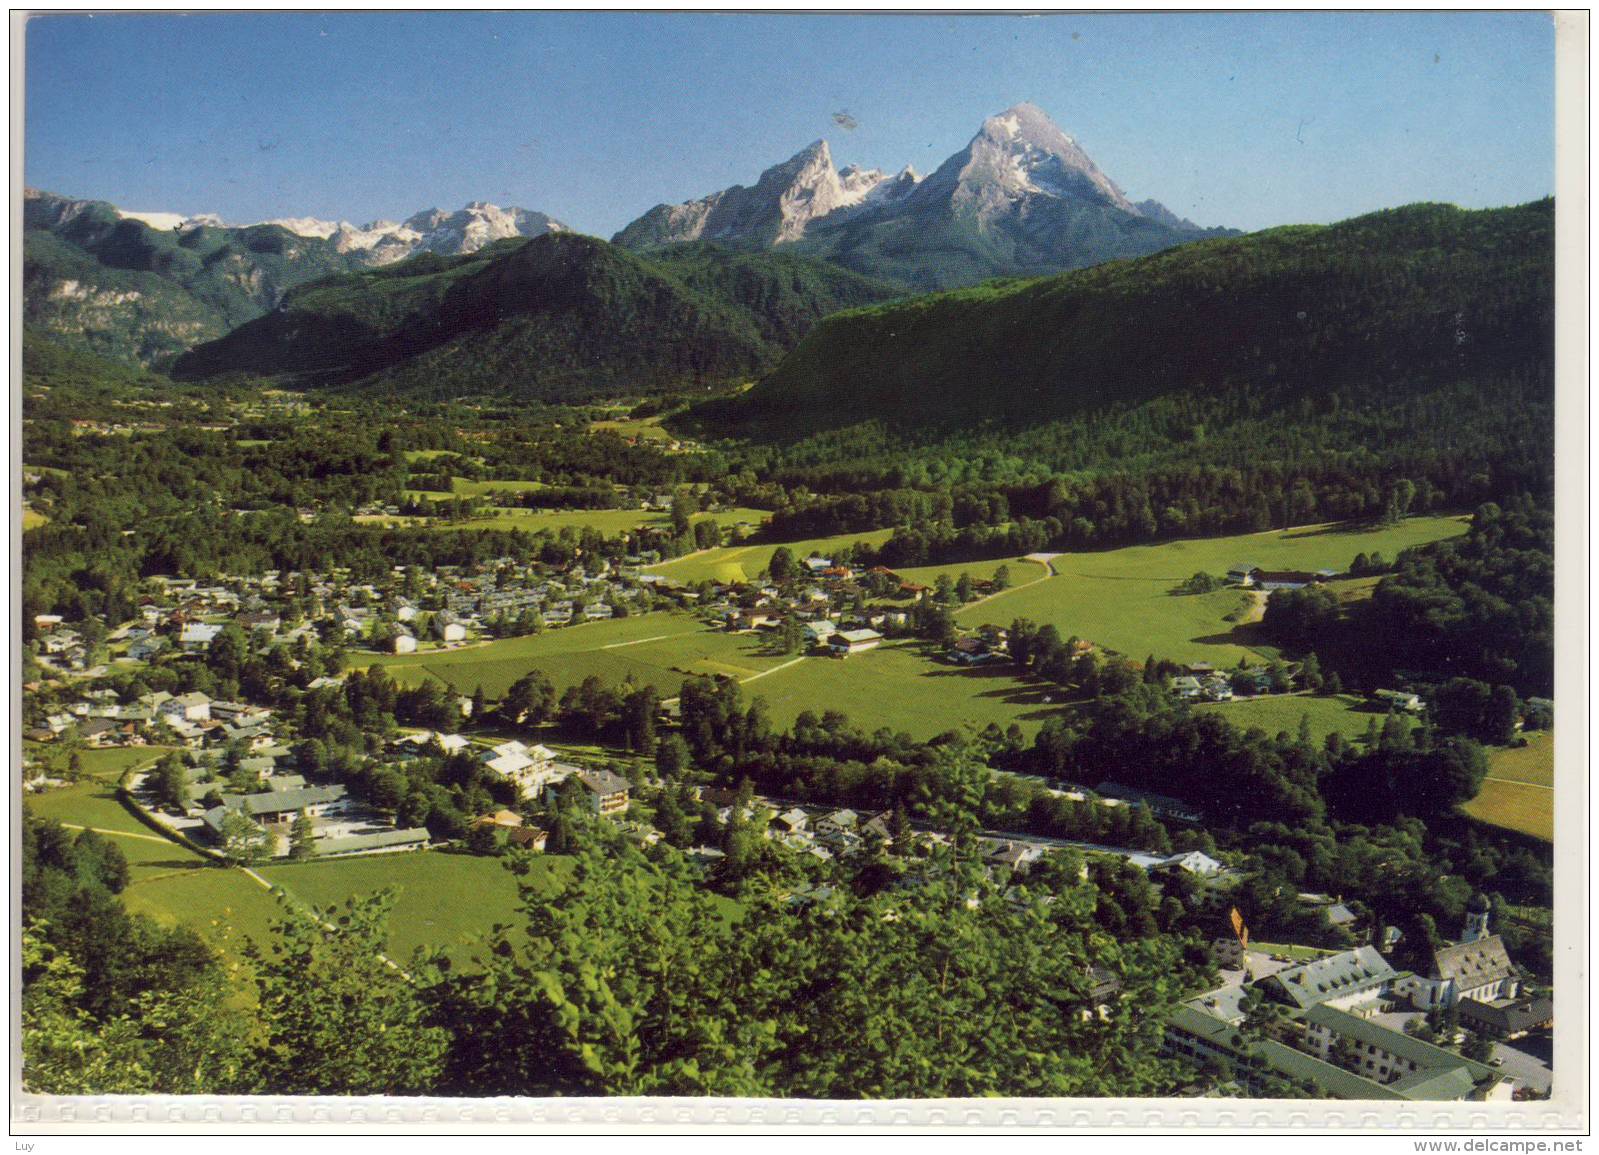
(465, 230)
(158, 220)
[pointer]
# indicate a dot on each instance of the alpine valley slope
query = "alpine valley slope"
(1021, 199)
(1367, 311)
(559, 317)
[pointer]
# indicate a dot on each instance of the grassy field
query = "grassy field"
(33, 519)
(1515, 806)
(1518, 793)
(1295, 952)
(1348, 714)
(225, 906)
(1122, 599)
(898, 685)
(443, 900)
(1533, 763)
(108, 763)
(745, 563)
(165, 880)
(655, 649)
(647, 429)
(466, 487)
(1022, 572)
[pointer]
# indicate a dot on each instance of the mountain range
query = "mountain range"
(1021, 199)
(466, 230)
(146, 287)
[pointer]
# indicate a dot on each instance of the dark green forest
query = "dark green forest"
(561, 316)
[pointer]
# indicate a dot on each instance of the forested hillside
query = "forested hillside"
(1372, 311)
(561, 316)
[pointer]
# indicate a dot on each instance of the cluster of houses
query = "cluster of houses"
(100, 719)
(822, 600)
(447, 605)
(1327, 1031)
(1203, 682)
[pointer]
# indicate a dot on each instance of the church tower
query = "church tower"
(1476, 920)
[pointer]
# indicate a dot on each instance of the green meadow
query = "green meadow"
(659, 649)
(1518, 793)
(646, 429)
(466, 487)
(1347, 714)
(744, 563)
(900, 685)
(110, 762)
(1124, 599)
(449, 901)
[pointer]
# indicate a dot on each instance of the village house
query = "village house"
(197, 636)
(447, 627)
(1016, 856)
(1510, 1019)
(502, 819)
(529, 838)
(1190, 862)
(847, 642)
(1161, 804)
(259, 620)
(1187, 686)
(191, 707)
(143, 649)
(607, 793)
(818, 632)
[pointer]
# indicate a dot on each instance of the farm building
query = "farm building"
(1399, 700)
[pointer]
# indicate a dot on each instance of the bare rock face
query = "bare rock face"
(778, 209)
(1015, 157)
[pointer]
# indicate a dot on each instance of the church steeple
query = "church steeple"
(1476, 920)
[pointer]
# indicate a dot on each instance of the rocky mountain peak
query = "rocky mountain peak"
(1016, 155)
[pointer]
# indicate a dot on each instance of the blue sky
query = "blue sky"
(1247, 120)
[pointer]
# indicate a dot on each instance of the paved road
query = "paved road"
(1526, 1062)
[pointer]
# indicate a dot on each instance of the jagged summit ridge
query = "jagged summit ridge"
(779, 208)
